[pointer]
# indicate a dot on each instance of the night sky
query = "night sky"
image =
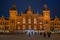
(36, 5)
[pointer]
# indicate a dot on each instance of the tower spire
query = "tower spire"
(29, 7)
(29, 10)
(13, 5)
(45, 6)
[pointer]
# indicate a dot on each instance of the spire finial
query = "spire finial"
(29, 10)
(29, 7)
(55, 16)
(21, 12)
(45, 6)
(13, 5)
(2, 16)
(37, 12)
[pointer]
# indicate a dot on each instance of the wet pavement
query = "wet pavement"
(27, 37)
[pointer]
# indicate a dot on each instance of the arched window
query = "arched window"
(24, 27)
(35, 27)
(0, 23)
(24, 20)
(29, 26)
(35, 21)
(6, 28)
(29, 20)
(18, 22)
(13, 22)
(40, 22)
(46, 22)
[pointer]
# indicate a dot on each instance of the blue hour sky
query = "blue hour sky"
(36, 5)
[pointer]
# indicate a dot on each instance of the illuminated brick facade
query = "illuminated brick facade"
(29, 20)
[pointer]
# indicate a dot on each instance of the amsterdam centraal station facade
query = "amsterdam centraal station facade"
(29, 20)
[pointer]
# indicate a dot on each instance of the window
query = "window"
(59, 23)
(0, 23)
(18, 22)
(55, 24)
(46, 22)
(40, 22)
(6, 23)
(13, 22)
(23, 27)
(6, 28)
(18, 28)
(3, 23)
(35, 20)
(24, 20)
(35, 27)
(29, 20)
(29, 26)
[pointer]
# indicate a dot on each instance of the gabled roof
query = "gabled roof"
(29, 9)
(45, 6)
(13, 6)
(55, 18)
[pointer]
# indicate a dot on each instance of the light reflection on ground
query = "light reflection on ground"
(26, 37)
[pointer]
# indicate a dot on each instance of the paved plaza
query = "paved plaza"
(32, 37)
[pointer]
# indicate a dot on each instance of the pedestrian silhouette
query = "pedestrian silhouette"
(44, 34)
(29, 34)
(49, 34)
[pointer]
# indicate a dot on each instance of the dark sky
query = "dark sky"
(36, 5)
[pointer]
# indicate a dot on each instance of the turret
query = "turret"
(46, 12)
(29, 10)
(46, 18)
(13, 11)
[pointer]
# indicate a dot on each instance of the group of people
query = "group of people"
(47, 34)
(44, 34)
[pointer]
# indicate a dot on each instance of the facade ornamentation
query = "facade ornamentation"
(29, 21)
